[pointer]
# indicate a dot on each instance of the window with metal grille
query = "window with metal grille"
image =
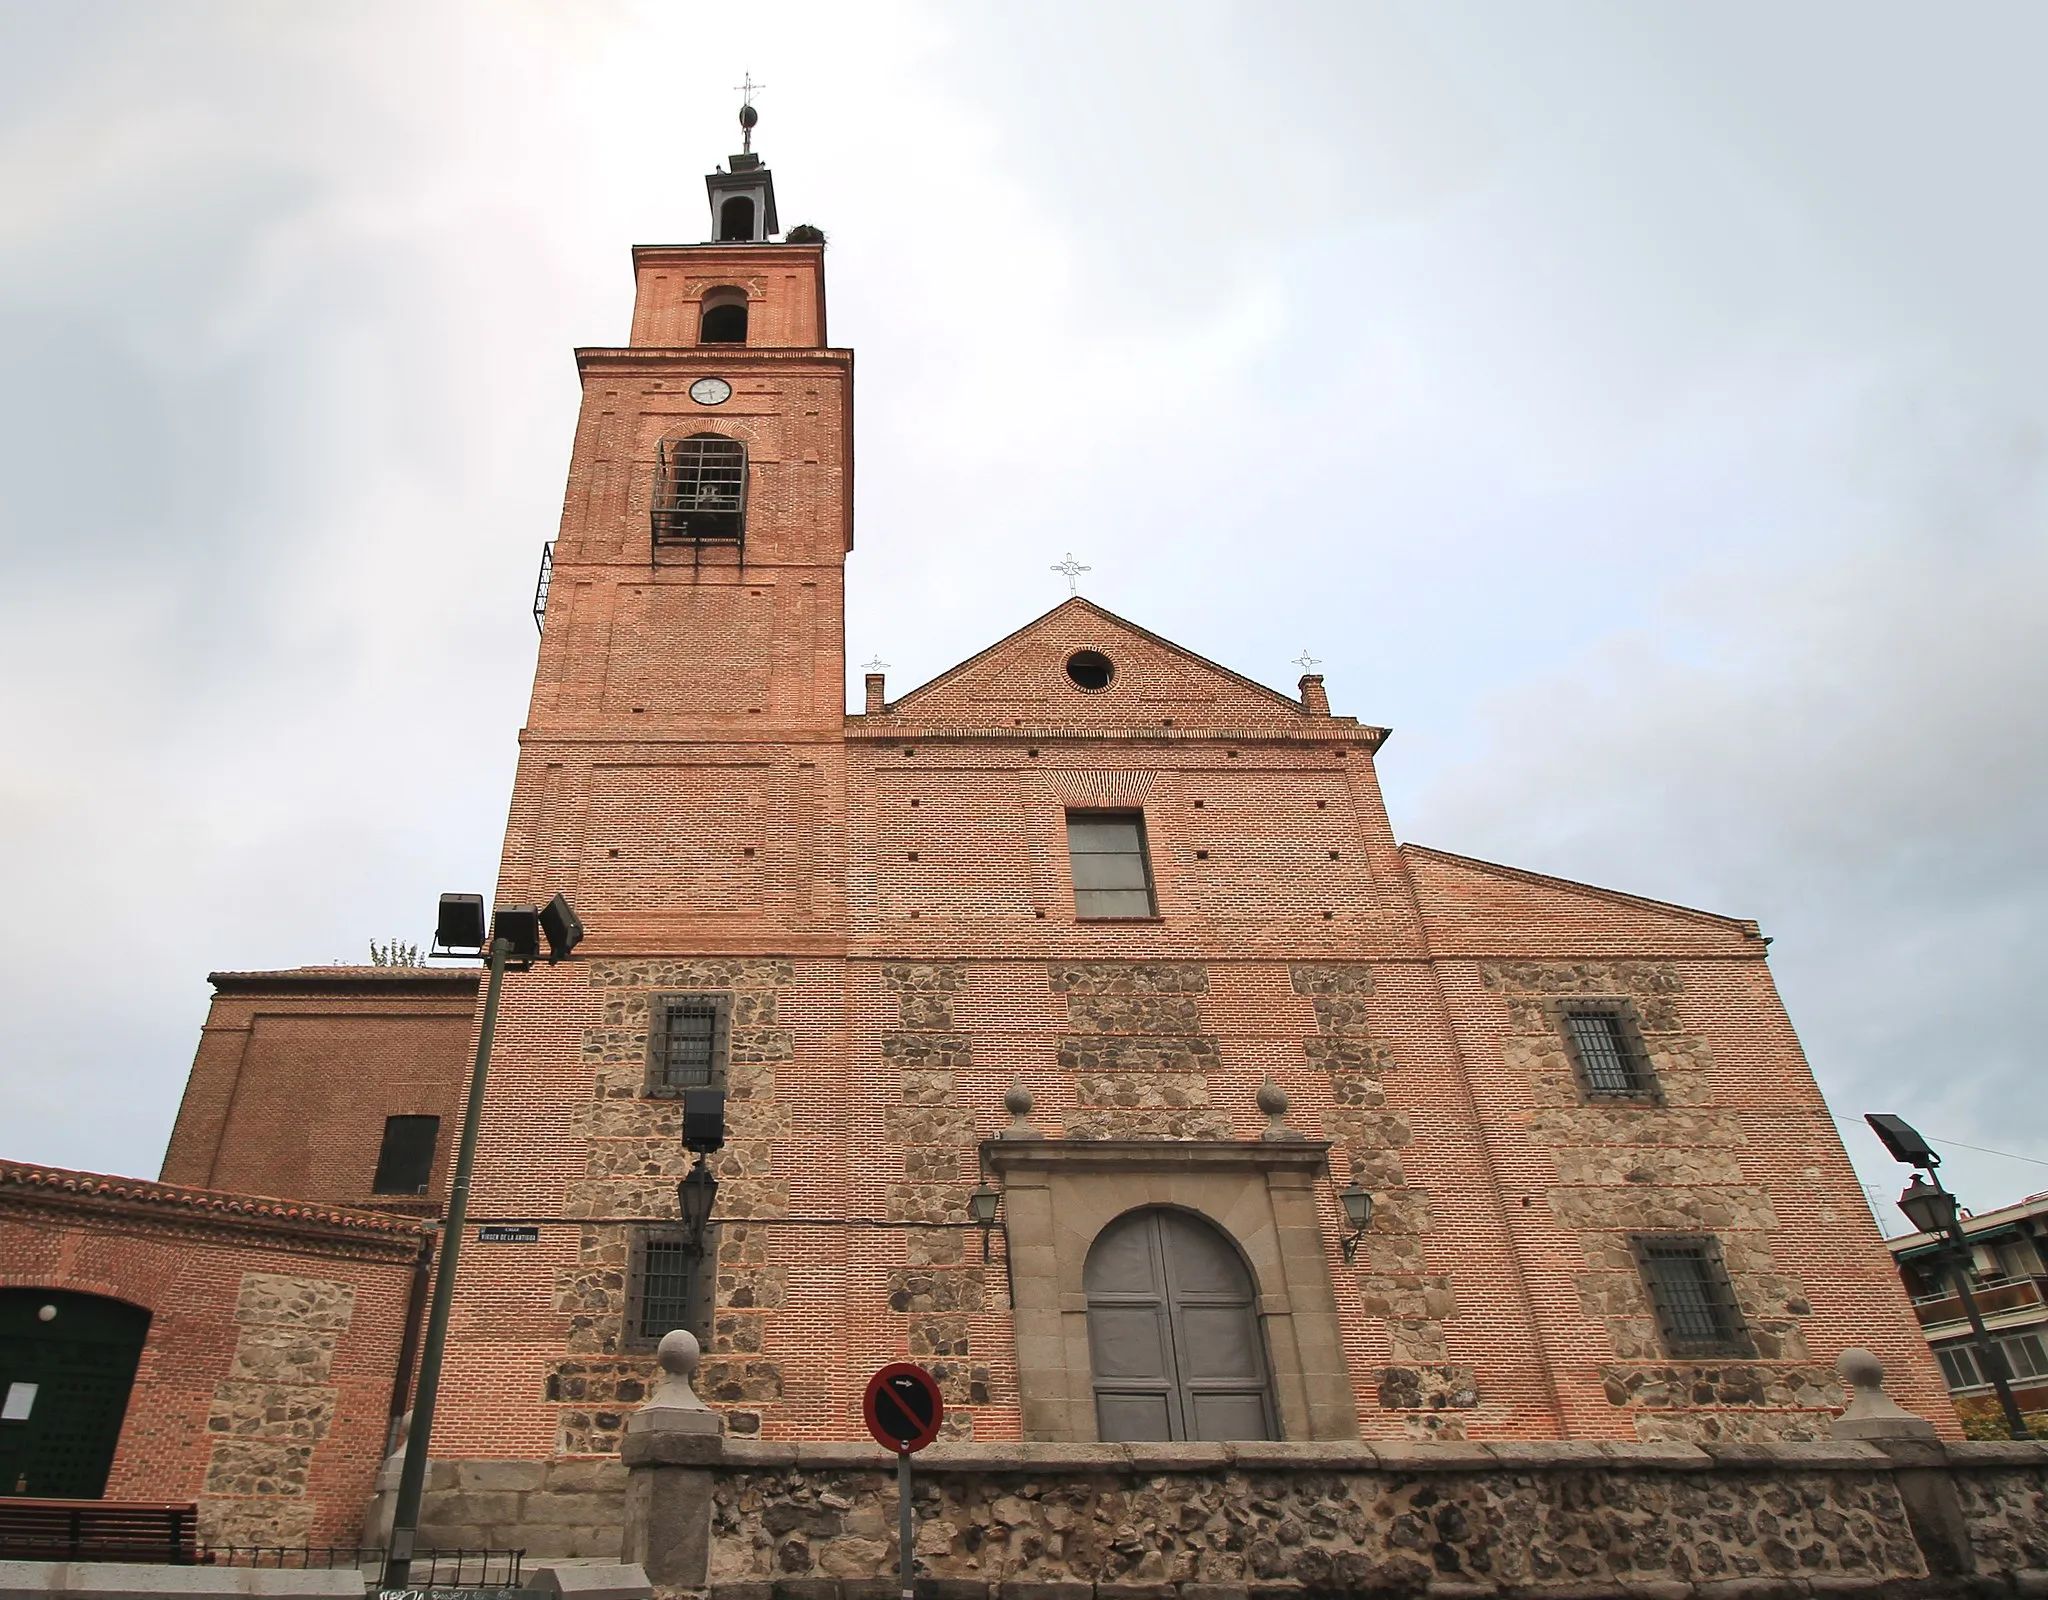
(687, 1043)
(669, 1278)
(1609, 1052)
(700, 490)
(405, 1161)
(1694, 1300)
(1111, 875)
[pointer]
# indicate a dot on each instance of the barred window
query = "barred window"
(668, 1287)
(700, 490)
(1111, 875)
(1609, 1051)
(1694, 1301)
(687, 1042)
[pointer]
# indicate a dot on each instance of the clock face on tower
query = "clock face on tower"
(711, 391)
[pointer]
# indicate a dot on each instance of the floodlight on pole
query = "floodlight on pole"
(515, 942)
(1903, 1140)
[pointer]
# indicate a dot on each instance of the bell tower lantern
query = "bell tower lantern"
(743, 199)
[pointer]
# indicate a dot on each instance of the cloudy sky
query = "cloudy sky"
(1637, 406)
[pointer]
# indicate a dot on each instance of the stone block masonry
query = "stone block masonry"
(1209, 1521)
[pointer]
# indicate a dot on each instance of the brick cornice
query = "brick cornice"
(348, 980)
(61, 1193)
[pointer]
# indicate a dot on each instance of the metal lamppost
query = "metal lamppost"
(516, 934)
(1932, 1209)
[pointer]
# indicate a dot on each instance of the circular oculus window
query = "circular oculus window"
(1090, 669)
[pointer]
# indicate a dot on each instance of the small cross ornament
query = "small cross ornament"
(1073, 570)
(1307, 662)
(876, 665)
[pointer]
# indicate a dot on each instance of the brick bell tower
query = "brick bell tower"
(681, 751)
(681, 778)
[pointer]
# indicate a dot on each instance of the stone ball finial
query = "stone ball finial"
(1860, 1369)
(679, 1354)
(1018, 1102)
(1272, 1100)
(1871, 1413)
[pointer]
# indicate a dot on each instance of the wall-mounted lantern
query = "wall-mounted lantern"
(695, 1196)
(1357, 1204)
(982, 1206)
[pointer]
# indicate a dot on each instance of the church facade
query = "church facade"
(1094, 872)
(1089, 930)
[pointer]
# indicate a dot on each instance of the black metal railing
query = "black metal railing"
(431, 1569)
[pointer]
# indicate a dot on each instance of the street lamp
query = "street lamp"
(515, 939)
(695, 1196)
(1933, 1210)
(1357, 1204)
(982, 1205)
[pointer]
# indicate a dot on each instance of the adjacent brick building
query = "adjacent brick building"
(1088, 919)
(262, 1341)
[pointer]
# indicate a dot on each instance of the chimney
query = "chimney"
(876, 704)
(1313, 700)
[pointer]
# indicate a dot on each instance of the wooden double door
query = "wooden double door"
(1173, 1332)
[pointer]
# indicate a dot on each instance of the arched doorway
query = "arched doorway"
(67, 1362)
(1173, 1332)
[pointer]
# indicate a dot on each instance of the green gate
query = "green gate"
(67, 1362)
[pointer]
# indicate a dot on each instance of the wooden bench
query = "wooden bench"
(97, 1530)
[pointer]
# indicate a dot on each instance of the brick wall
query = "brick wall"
(296, 1072)
(264, 1390)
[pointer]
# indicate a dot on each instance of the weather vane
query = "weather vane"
(1307, 662)
(1073, 569)
(876, 665)
(748, 115)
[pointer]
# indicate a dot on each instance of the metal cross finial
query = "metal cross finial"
(876, 665)
(1073, 569)
(1307, 662)
(747, 91)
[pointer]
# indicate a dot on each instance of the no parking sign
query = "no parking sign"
(903, 1409)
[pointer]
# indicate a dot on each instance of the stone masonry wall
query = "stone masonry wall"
(1394, 1285)
(1670, 1164)
(636, 1157)
(1214, 1522)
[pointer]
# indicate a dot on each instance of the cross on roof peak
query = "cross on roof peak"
(1073, 570)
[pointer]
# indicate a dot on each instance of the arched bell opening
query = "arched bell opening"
(724, 319)
(700, 490)
(736, 220)
(1173, 1332)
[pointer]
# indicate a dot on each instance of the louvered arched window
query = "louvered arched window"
(700, 490)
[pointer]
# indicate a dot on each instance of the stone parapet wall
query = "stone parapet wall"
(1216, 1521)
(552, 1510)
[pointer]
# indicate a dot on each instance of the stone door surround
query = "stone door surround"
(1058, 1194)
